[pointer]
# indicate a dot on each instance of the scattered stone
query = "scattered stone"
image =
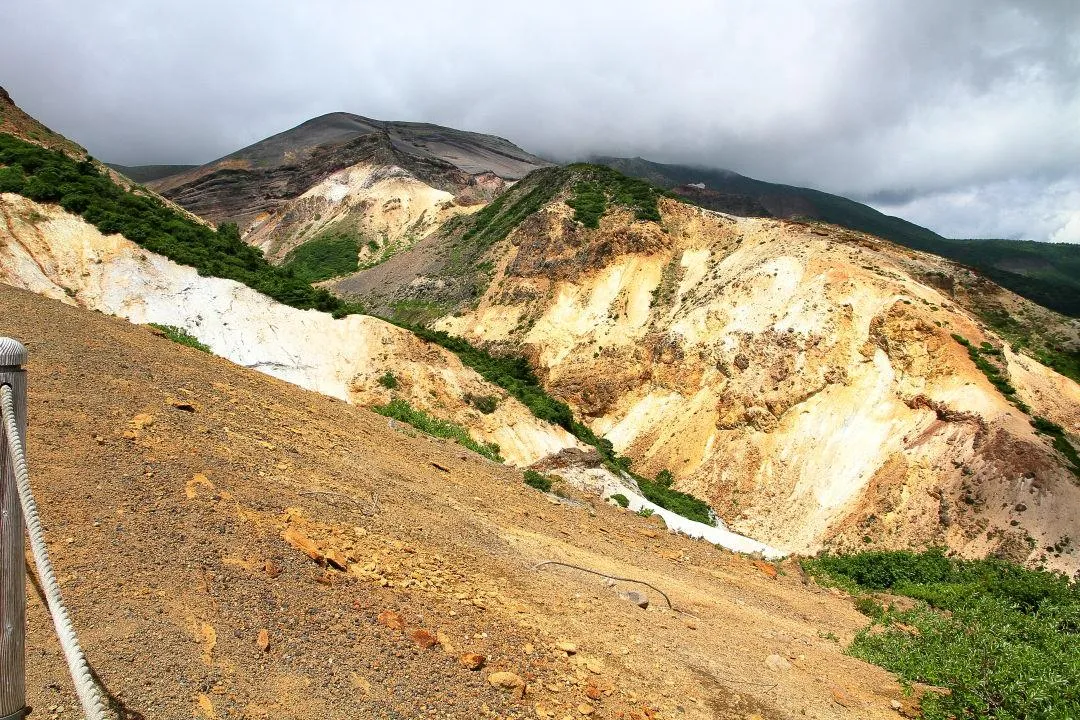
(336, 559)
(594, 666)
(776, 662)
(424, 639)
(263, 640)
(638, 598)
(896, 705)
(592, 692)
(272, 569)
(586, 709)
(390, 619)
(472, 661)
(142, 420)
(768, 569)
(840, 697)
(441, 468)
(648, 532)
(566, 646)
(444, 642)
(505, 680)
(304, 544)
(180, 404)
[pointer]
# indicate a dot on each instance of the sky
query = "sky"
(962, 116)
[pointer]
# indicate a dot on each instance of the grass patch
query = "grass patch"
(388, 381)
(401, 410)
(535, 480)
(181, 336)
(416, 313)
(620, 500)
(1005, 640)
(327, 255)
(991, 370)
(53, 177)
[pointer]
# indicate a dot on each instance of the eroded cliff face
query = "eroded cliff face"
(53, 253)
(798, 377)
(385, 206)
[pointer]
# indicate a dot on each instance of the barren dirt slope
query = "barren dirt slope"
(167, 479)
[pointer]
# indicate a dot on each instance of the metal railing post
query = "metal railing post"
(12, 554)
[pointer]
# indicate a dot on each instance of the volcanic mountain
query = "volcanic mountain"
(387, 183)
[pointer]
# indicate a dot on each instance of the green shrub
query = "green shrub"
(677, 502)
(401, 410)
(620, 500)
(1004, 639)
(328, 255)
(486, 404)
(646, 512)
(536, 480)
(180, 335)
(664, 478)
(388, 381)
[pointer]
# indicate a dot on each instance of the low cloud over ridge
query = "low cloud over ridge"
(962, 116)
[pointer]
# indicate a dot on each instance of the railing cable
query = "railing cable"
(85, 687)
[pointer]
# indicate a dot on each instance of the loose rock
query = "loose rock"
(505, 680)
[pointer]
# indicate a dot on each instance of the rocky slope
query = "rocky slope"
(48, 251)
(184, 540)
(386, 183)
(802, 378)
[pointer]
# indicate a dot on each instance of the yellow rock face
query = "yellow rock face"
(801, 378)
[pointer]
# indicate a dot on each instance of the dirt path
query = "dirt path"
(169, 481)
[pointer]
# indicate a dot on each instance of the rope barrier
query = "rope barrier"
(85, 687)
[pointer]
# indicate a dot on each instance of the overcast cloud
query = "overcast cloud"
(963, 116)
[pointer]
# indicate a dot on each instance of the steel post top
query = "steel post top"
(12, 352)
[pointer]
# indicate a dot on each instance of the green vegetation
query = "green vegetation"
(401, 410)
(600, 185)
(330, 254)
(992, 372)
(388, 381)
(536, 480)
(1051, 351)
(501, 216)
(677, 502)
(413, 313)
(620, 500)
(1005, 640)
(646, 512)
(1060, 442)
(180, 335)
(484, 403)
(51, 176)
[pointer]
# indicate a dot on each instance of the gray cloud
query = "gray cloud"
(964, 116)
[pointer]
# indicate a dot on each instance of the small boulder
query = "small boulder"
(566, 646)
(424, 639)
(505, 680)
(473, 661)
(776, 662)
(390, 619)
